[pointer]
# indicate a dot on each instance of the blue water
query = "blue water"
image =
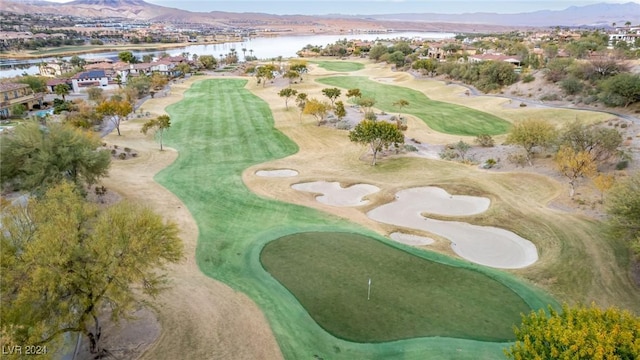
(44, 113)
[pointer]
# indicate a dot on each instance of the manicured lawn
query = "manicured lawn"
(220, 129)
(341, 66)
(442, 117)
(411, 297)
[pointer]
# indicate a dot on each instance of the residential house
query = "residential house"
(13, 93)
(88, 79)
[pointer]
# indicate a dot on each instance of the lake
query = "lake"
(261, 47)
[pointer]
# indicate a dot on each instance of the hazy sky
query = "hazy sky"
(365, 7)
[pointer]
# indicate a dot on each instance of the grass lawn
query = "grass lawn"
(442, 117)
(341, 66)
(219, 129)
(412, 297)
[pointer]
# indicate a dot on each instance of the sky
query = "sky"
(371, 7)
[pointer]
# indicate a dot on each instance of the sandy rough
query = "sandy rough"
(409, 239)
(277, 173)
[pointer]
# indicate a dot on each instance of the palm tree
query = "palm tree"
(251, 52)
(62, 90)
(244, 53)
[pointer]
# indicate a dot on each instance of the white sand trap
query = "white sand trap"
(435, 200)
(409, 239)
(277, 173)
(335, 195)
(483, 245)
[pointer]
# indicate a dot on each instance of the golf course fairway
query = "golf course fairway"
(440, 116)
(219, 129)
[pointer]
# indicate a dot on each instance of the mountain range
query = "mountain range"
(596, 15)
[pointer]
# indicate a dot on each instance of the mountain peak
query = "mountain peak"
(110, 3)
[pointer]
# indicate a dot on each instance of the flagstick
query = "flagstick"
(369, 290)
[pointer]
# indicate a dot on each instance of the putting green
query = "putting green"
(220, 129)
(442, 117)
(412, 297)
(340, 66)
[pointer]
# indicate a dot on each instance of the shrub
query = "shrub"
(113, 152)
(519, 159)
(127, 150)
(122, 156)
(343, 125)
(448, 154)
(528, 78)
(550, 97)
(370, 115)
(484, 140)
(622, 164)
(489, 163)
(409, 147)
(523, 104)
(571, 86)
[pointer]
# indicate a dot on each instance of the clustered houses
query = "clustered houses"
(12, 93)
(630, 35)
(105, 72)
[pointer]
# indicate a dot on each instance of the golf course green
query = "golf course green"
(442, 117)
(339, 66)
(219, 129)
(412, 297)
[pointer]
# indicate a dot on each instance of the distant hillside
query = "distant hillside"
(600, 15)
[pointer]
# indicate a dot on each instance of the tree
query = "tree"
(301, 102)
(36, 157)
(18, 110)
(462, 148)
(574, 165)
(332, 94)
(291, 75)
(317, 108)
(532, 133)
(378, 135)
(601, 143)
(37, 83)
(426, 66)
(65, 262)
(299, 66)
(366, 103)
(577, 333)
(115, 111)
(396, 58)
(621, 90)
(603, 183)
(83, 115)
(354, 93)
(62, 90)
(400, 104)
(95, 94)
(286, 93)
(77, 62)
(340, 111)
(158, 81)
(128, 57)
(264, 73)
(377, 51)
(141, 86)
(623, 208)
(208, 61)
(161, 123)
(147, 58)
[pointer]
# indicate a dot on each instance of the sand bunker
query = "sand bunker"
(277, 173)
(413, 240)
(335, 195)
(484, 245)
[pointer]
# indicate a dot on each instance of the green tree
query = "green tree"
(291, 75)
(160, 124)
(37, 83)
(77, 62)
(377, 51)
(426, 66)
(378, 135)
(62, 90)
(317, 108)
(621, 90)
(158, 81)
(18, 110)
(600, 142)
(115, 110)
(140, 86)
(128, 57)
(623, 208)
(574, 165)
(354, 93)
(65, 262)
(301, 102)
(208, 61)
(287, 93)
(577, 333)
(530, 134)
(265, 73)
(397, 58)
(366, 104)
(340, 111)
(147, 58)
(34, 158)
(332, 94)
